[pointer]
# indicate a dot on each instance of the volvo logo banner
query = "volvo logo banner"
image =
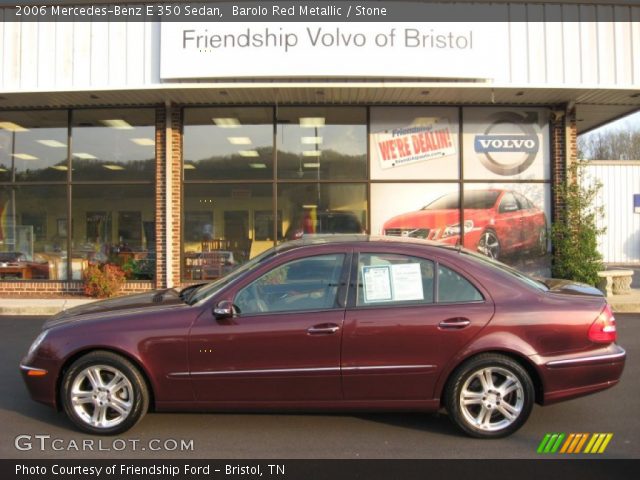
(509, 144)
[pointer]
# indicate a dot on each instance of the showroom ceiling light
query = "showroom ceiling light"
(311, 165)
(62, 168)
(84, 156)
(311, 122)
(310, 206)
(258, 165)
(311, 153)
(311, 140)
(24, 156)
(144, 142)
(117, 123)
(12, 127)
(424, 121)
(52, 143)
(248, 153)
(239, 140)
(189, 166)
(226, 122)
(110, 166)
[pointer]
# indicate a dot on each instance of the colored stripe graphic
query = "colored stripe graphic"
(551, 442)
(573, 443)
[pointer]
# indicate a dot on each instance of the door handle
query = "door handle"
(454, 323)
(325, 328)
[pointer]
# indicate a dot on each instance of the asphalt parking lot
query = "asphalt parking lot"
(42, 431)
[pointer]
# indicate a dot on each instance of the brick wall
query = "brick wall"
(161, 192)
(54, 289)
(564, 151)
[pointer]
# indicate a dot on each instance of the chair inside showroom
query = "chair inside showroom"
(211, 265)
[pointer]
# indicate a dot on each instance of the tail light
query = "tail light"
(603, 329)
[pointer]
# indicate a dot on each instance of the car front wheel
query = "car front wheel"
(490, 396)
(104, 393)
(489, 244)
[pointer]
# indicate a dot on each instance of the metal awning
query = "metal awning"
(594, 107)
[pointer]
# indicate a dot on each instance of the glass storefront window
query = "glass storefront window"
(113, 144)
(33, 232)
(228, 143)
(322, 209)
(503, 143)
(33, 146)
(114, 224)
(414, 143)
(509, 222)
(322, 143)
(419, 210)
(223, 227)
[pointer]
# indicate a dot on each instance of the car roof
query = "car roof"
(338, 238)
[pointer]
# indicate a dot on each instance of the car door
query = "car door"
(400, 330)
(283, 344)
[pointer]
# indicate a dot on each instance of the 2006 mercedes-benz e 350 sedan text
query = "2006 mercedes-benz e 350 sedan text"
(341, 323)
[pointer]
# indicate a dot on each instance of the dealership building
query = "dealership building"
(179, 149)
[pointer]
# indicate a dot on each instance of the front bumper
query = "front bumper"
(42, 385)
(570, 376)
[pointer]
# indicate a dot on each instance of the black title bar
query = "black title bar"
(318, 11)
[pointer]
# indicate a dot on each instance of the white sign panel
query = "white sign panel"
(407, 282)
(197, 50)
(377, 284)
(392, 283)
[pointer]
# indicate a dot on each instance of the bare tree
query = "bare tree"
(610, 144)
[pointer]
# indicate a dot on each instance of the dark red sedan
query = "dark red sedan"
(341, 323)
(496, 222)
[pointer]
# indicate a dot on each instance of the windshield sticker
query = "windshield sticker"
(377, 284)
(388, 283)
(407, 282)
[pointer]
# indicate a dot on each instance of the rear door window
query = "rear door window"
(392, 279)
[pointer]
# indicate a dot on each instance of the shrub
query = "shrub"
(103, 281)
(575, 233)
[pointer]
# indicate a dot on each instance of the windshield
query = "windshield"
(473, 199)
(209, 289)
(522, 277)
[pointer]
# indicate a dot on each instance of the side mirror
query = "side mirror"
(224, 309)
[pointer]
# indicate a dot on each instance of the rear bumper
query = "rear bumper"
(573, 376)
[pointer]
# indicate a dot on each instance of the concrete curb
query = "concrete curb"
(39, 306)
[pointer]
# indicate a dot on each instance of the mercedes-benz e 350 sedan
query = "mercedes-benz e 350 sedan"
(341, 323)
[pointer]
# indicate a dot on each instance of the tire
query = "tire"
(489, 244)
(103, 393)
(489, 413)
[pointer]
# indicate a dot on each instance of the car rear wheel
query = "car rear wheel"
(104, 393)
(489, 244)
(490, 396)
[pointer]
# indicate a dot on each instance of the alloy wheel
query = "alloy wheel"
(102, 396)
(491, 399)
(489, 244)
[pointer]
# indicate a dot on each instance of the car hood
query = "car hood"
(558, 285)
(423, 219)
(152, 299)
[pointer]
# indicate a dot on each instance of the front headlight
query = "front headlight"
(454, 229)
(36, 343)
